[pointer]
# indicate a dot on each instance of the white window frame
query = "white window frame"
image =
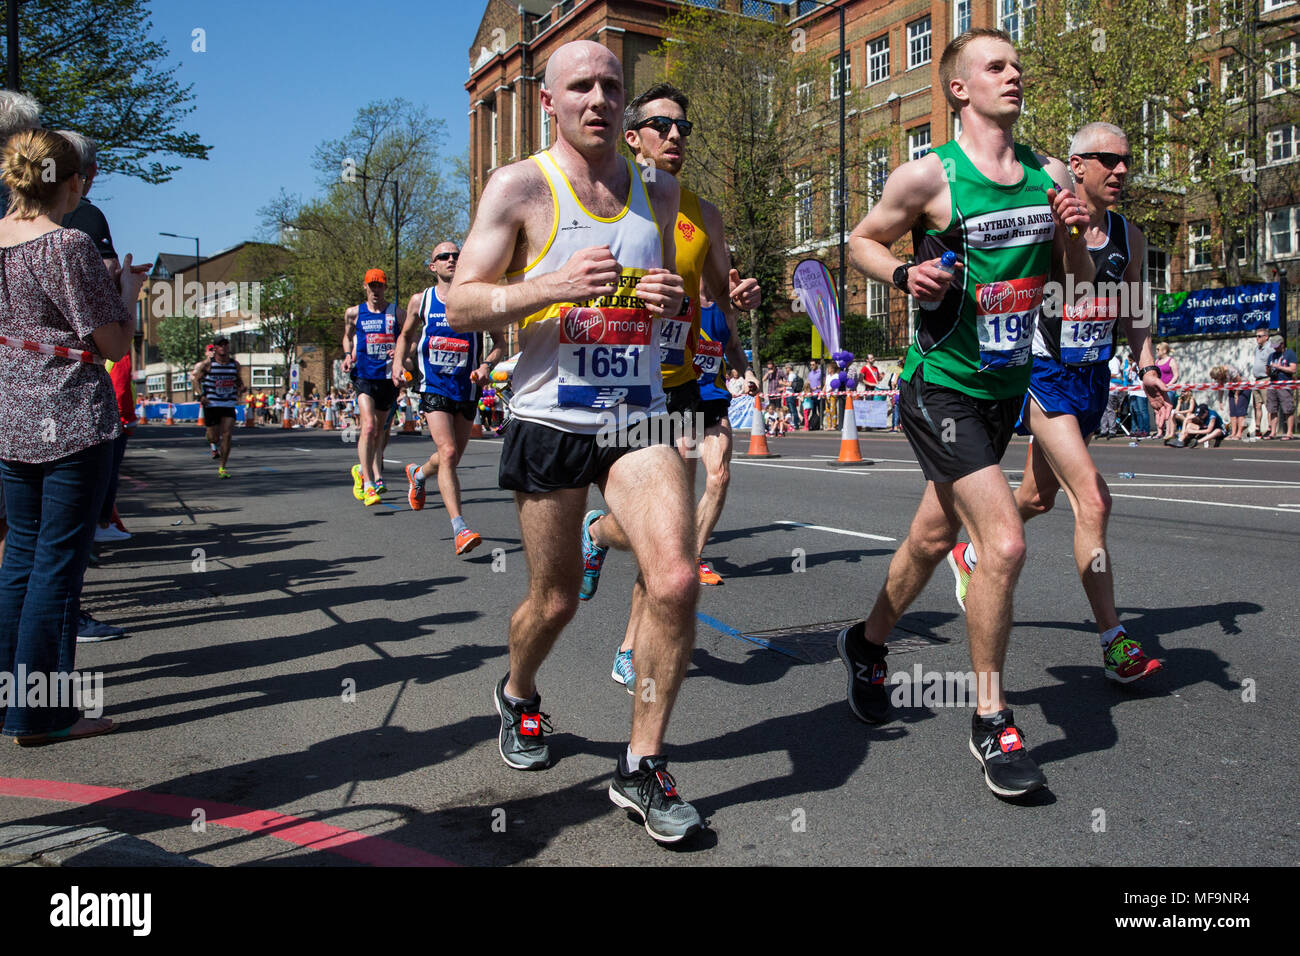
(877, 173)
(803, 96)
(956, 125)
(493, 139)
(803, 211)
(1200, 246)
(1283, 144)
(260, 377)
(1231, 14)
(156, 384)
(181, 382)
(1198, 9)
(1242, 239)
(1230, 68)
(838, 88)
(878, 60)
(877, 301)
(546, 129)
(915, 147)
(1154, 116)
(1268, 6)
(960, 17)
(1289, 217)
(1288, 54)
(1016, 17)
(1157, 270)
(833, 194)
(919, 42)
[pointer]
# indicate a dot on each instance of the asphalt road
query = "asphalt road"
(255, 604)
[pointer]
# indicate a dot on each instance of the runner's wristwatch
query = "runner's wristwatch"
(1147, 368)
(900, 276)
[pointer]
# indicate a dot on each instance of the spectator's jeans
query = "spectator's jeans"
(839, 409)
(897, 411)
(792, 403)
(52, 509)
(819, 405)
(1141, 408)
(110, 496)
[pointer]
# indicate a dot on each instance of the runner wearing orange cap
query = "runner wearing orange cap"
(369, 335)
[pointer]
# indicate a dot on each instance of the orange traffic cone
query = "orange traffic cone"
(170, 419)
(476, 430)
(758, 435)
(287, 420)
(850, 450)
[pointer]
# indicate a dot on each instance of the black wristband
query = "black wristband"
(1148, 368)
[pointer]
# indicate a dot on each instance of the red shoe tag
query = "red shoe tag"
(530, 725)
(1009, 740)
(665, 781)
(878, 672)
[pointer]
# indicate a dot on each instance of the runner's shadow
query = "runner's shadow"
(1145, 624)
(785, 564)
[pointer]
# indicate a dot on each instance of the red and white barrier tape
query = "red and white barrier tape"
(76, 355)
(1181, 387)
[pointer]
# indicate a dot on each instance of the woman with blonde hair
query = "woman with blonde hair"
(1168, 367)
(61, 314)
(1237, 400)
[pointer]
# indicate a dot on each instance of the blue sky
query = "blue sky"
(277, 78)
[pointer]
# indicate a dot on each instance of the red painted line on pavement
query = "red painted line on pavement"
(358, 847)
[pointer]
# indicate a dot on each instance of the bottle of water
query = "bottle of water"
(945, 265)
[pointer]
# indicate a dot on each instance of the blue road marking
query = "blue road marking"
(732, 632)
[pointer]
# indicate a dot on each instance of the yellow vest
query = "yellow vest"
(679, 337)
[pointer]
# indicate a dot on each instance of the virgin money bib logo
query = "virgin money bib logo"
(584, 326)
(1006, 296)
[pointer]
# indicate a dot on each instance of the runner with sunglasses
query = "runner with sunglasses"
(454, 370)
(1070, 387)
(656, 128)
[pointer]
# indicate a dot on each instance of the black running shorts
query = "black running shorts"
(954, 434)
(382, 391)
(715, 410)
(433, 402)
(683, 403)
(213, 414)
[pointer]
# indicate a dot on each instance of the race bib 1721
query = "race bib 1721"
(447, 353)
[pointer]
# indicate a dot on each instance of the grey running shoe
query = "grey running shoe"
(652, 793)
(623, 671)
(523, 731)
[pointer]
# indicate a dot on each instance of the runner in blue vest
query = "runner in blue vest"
(369, 335)
(453, 368)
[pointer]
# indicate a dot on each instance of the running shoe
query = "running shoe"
(961, 571)
(651, 793)
(414, 489)
(593, 558)
(370, 496)
(868, 698)
(522, 741)
(1125, 661)
(467, 541)
(708, 575)
(381, 487)
(358, 483)
(999, 746)
(623, 671)
(90, 631)
(111, 534)
(222, 473)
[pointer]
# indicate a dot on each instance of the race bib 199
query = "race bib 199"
(1005, 315)
(446, 353)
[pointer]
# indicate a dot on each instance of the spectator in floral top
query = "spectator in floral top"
(58, 420)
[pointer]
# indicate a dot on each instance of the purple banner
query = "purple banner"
(816, 292)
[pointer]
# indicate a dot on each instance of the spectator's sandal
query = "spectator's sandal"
(84, 727)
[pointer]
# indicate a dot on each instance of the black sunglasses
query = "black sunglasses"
(662, 124)
(443, 256)
(1109, 160)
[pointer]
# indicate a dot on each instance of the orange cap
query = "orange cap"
(376, 275)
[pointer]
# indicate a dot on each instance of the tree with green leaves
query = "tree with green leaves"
(333, 239)
(766, 130)
(176, 340)
(286, 319)
(95, 69)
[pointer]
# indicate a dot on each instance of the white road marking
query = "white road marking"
(1277, 461)
(1156, 484)
(307, 450)
(392, 461)
(851, 534)
(1216, 504)
(825, 470)
(1258, 481)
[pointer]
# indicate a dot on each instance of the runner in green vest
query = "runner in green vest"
(996, 206)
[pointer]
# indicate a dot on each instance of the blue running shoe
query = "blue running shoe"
(593, 558)
(623, 671)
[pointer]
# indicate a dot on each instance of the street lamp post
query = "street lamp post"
(842, 198)
(198, 280)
